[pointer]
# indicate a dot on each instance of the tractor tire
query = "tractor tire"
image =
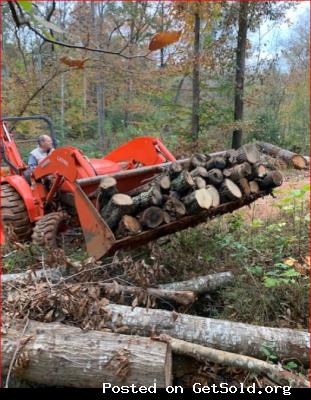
(46, 230)
(14, 215)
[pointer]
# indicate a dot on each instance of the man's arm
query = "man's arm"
(32, 162)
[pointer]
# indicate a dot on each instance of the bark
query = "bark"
(214, 176)
(183, 182)
(174, 207)
(65, 356)
(291, 159)
(196, 80)
(244, 186)
(275, 373)
(152, 197)
(253, 186)
(107, 188)
(201, 284)
(216, 162)
(119, 205)
(220, 334)
(199, 171)
(238, 171)
(271, 180)
(184, 297)
(240, 72)
(198, 160)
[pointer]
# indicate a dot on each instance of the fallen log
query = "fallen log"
(274, 372)
(55, 354)
(224, 335)
(201, 284)
(184, 297)
(292, 159)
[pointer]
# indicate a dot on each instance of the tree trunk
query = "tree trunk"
(196, 80)
(220, 334)
(240, 72)
(55, 354)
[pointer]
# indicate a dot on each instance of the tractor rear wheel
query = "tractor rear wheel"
(46, 231)
(14, 214)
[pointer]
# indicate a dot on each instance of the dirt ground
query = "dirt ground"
(264, 208)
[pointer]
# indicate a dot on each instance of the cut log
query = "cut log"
(184, 297)
(161, 182)
(259, 170)
(152, 197)
(292, 159)
(218, 162)
(183, 182)
(238, 171)
(151, 217)
(107, 188)
(215, 195)
(59, 355)
(224, 335)
(197, 201)
(248, 153)
(244, 186)
(275, 373)
(198, 160)
(231, 157)
(253, 186)
(199, 183)
(214, 176)
(271, 180)
(174, 170)
(119, 205)
(128, 226)
(201, 284)
(174, 207)
(229, 191)
(199, 171)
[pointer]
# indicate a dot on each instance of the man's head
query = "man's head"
(45, 142)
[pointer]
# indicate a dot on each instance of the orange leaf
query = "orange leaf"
(163, 39)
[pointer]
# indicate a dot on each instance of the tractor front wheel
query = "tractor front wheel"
(14, 215)
(47, 229)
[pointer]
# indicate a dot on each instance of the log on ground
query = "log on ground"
(292, 159)
(201, 284)
(224, 335)
(55, 354)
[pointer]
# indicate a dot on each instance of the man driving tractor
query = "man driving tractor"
(45, 146)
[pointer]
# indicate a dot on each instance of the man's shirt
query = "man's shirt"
(36, 156)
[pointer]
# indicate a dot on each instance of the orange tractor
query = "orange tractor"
(61, 192)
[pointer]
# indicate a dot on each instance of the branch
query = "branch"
(24, 22)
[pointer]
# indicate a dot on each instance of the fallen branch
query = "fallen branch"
(182, 297)
(201, 284)
(275, 373)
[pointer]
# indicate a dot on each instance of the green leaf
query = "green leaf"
(290, 273)
(291, 365)
(26, 5)
(306, 187)
(256, 269)
(271, 282)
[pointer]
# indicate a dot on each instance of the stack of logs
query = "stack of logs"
(203, 182)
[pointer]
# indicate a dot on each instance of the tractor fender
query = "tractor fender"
(24, 190)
